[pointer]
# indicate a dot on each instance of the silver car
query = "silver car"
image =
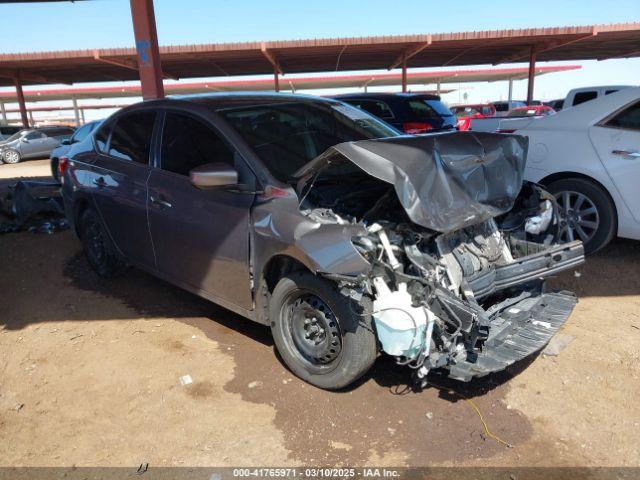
(33, 143)
(314, 218)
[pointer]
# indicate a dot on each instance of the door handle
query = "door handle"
(627, 153)
(100, 182)
(160, 202)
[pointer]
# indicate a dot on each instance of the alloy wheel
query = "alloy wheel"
(579, 217)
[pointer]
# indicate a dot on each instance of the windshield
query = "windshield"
(16, 136)
(288, 135)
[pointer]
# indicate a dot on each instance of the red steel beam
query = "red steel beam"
(532, 74)
(149, 66)
(404, 73)
(23, 106)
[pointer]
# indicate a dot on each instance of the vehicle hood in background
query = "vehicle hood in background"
(444, 181)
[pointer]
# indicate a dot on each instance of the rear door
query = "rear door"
(200, 237)
(617, 141)
(119, 186)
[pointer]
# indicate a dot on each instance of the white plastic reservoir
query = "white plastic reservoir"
(401, 327)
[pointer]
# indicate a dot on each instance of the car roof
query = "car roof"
(387, 96)
(223, 100)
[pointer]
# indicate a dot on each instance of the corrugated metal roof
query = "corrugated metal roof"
(331, 54)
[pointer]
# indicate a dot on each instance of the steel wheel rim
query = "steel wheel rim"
(312, 328)
(579, 217)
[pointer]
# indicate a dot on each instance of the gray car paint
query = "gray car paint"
(233, 236)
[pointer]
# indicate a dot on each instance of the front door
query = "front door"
(33, 144)
(200, 237)
(617, 142)
(119, 184)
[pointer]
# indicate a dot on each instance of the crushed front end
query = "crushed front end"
(458, 247)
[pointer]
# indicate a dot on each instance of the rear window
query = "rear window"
(375, 107)
(58, 132)
(439, 107)
(501, 107)
(421, 110)
(525, 112)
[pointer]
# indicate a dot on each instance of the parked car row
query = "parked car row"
(343, 234)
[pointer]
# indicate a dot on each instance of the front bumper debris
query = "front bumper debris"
(519, 331)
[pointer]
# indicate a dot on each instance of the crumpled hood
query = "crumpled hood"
(444, 181)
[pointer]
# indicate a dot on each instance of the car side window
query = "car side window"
(131, 137)
(582, 97)
(188, 143)
(629, 118)
(33, 135)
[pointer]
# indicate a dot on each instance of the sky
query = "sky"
(107, 23)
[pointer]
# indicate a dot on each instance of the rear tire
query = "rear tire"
(98, 247)
(11, 156)
(589, 214)
(324, 337)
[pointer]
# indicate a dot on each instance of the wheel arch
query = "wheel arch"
(554, 177)
(275, 268)
(79, 206)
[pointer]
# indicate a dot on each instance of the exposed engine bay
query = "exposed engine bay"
(466, 298)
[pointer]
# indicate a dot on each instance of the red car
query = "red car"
(466, 113)
(531, 111)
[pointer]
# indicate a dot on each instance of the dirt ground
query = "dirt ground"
(90, 376)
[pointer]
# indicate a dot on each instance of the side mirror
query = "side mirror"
(25, 140)
(66, 141)
(215, 174)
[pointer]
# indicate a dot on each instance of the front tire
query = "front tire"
(324, 337)
(11, 156)
(98, 247)
(587, 212)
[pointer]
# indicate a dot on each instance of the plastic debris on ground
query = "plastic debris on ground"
(557, 344)
(34, 206)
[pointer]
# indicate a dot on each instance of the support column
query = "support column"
(404, 72)
(532, 75)
(21, 102)
(144, 27)
(76, 112)
(82, 116)
(438, 88)
(33, 124)
(276, 81)
(510, 95)
(4, 113)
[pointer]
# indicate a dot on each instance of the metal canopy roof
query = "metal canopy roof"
(330, 54)
(295, 83)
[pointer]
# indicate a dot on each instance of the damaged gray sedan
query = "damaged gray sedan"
(343, 236)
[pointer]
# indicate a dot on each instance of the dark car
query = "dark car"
(33, 143)
(555, 104)
(324, 223)
(411, 113)
(61, 150)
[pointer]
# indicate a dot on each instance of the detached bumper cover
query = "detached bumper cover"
(519, 331)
